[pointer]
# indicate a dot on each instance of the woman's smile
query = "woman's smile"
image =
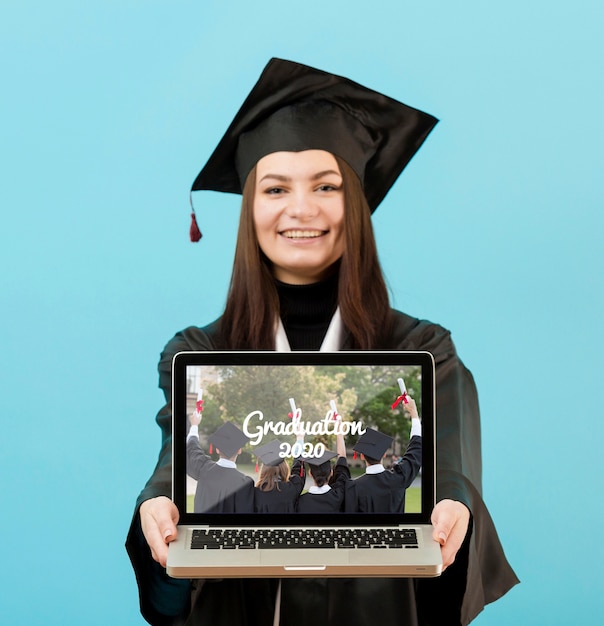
(303, 234)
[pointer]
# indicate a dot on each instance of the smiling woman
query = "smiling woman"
(313, 155)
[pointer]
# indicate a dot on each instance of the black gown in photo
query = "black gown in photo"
(282, 499)
(219, 489)
(385, 492)
(331, 501)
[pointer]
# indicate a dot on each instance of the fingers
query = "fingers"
(158, 521)
(450, 519)
(411, 407)
(453, 543)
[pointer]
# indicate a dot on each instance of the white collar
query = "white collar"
(332, 342)
(378, 468)
(226, 463)
(319, 490)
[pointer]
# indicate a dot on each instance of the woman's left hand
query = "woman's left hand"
(450, 519)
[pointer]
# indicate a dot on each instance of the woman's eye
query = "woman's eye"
(273, 191)
(327, 187)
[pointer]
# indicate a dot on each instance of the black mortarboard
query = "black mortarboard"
(294, 107)
(320, 460)
(228, 439)
(373, 443)
(269, 453)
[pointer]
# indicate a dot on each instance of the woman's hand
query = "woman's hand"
(450, 519)
(159, 517)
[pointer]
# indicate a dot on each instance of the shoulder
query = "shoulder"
(190, 339)
(238, 477)
(411, 333)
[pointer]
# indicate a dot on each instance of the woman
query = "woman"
(278, 487)
(326, 495)
(313, 155)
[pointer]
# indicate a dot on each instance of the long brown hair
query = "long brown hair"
(272, 475)
(252, 308)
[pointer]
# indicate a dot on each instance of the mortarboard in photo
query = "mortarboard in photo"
(317, 461)
(373, 444)
(269, 453)
(228, 439)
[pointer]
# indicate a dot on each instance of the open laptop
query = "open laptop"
(291, 403)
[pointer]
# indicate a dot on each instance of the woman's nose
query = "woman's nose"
(302, 205)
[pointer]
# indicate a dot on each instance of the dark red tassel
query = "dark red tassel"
(256, 467)
(210, 448)
(194, 232)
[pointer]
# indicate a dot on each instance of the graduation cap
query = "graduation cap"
(228, 439)
(373, 444)
(269, 453)
(317, 461)
(294, 107)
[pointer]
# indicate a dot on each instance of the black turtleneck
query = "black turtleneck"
(306, 311)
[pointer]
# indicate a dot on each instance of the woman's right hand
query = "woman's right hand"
(159, 517)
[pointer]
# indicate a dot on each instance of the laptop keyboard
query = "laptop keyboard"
(251, 539)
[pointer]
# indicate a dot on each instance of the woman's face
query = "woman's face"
(299, 214)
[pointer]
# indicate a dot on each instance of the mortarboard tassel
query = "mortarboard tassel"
(256, 467)
(194, 232)
(210, 448)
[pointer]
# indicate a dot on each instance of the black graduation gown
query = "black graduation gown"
(331, 501)
(283, 499)
(480, 574)
(385, 492)
(219, 489)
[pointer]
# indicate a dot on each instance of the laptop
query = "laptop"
(265, 469)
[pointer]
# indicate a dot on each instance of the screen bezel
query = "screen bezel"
(423, 359)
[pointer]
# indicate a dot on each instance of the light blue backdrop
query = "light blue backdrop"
(109, 109)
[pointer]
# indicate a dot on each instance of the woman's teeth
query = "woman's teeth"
(302, 234)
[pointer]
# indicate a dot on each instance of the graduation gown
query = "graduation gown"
(480, 574)
(331, 501)
(283, 499)
(385, 492)
(219, 489)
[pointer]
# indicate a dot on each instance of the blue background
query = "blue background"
(108, 111)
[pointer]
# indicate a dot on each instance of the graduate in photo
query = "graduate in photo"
(221, 487)
(278, 486)
(326, 495)
(382, 490)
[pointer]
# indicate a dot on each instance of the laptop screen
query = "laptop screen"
(303, 437)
